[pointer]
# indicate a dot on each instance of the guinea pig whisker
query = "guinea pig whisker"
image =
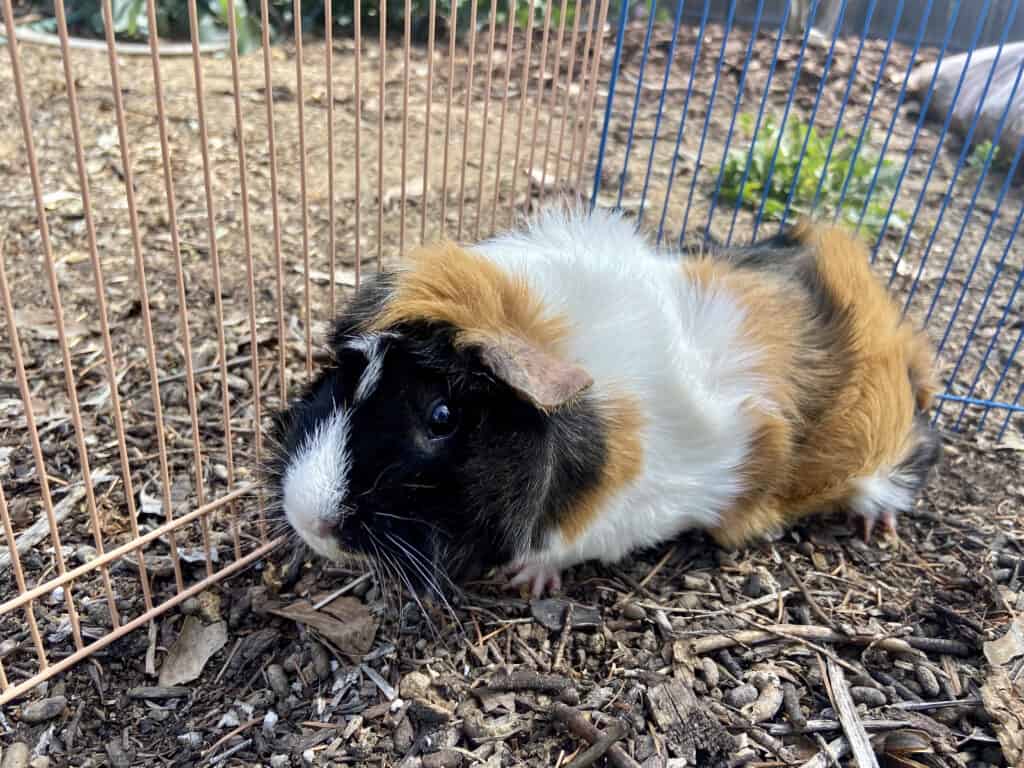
(422, 566)
(405, 519)
(380, 477)
(412, 592)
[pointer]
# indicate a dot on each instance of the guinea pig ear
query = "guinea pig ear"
(538, 376)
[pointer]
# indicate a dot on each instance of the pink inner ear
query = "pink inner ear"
(542, 378)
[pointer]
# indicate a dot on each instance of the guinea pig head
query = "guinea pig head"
(425, 445)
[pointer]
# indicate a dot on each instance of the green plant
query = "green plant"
(131, 20)
(984, 152)
(847, 168)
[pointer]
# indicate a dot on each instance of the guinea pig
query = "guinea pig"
(567, 392)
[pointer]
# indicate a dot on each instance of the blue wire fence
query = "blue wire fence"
(726, 120)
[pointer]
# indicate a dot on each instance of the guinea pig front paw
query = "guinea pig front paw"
(540, 577)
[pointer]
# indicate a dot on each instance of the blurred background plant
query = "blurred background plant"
(85, 17)
(845, 183)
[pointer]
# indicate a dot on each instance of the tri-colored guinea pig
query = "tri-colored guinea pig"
(567, 392)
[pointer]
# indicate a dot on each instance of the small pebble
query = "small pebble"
(56, 596)
(689, 601)
(16, 756)
(40, 762)
(43, 710)
(634, 612)
(864, 694)
(192, 739)
(280, 761)
(270, 722)
(929, 683)
(190, 607)
(710, 670)
(414, 685)
(84, 553)
(741, 696)
(321, 660)
(445, 758)
(308, 756)
(753, 586)
(278, 680)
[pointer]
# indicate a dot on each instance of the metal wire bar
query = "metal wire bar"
(523, 86)
(465, 118)
(250, 267)
(484, 125)
(101, 294)
(66, 663)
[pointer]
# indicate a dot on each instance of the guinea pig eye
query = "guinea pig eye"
(441, 420)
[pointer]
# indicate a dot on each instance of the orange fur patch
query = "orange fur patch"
(797, 464)
(447, 284)
(623, 422)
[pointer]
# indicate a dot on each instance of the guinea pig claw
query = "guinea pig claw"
(540, 578)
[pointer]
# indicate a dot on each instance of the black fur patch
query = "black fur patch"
(442, 509)
(913, 470)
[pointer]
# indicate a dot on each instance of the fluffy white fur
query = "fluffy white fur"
(640, 328)
(316, 482)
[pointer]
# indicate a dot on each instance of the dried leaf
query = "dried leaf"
(1011, 442)
(190, 652)
(1004, 701)
(1008, 647)
(40, 323)
(345, 623)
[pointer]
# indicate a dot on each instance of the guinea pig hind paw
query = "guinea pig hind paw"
(541, 578)
(868, 520)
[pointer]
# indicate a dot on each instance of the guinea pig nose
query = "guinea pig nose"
(323, 528)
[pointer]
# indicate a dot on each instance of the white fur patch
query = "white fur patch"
(316, 483)
(373, 346)
(640, 328)
(881, 492)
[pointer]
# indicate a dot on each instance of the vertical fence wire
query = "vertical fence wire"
(432, 23)
(406, 40)
(218, 299)
(822, 82)
(453, 26)
(570, 70)
(760, 117)
(509, 40)
(179, 272)
(595, 69)
(735, 113)
(140, 273)
(101, 297)
(652, 13)
(300, 115)
(899, 104)
(524, 80)
(539, 95)
(250, 267)
(783, 121)
(492, 22)
(581, 95)
(669, 59)
(382, 74)
(550, 117)
(332, 223)
(268, 95)
(465, 118)
(938, 147)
